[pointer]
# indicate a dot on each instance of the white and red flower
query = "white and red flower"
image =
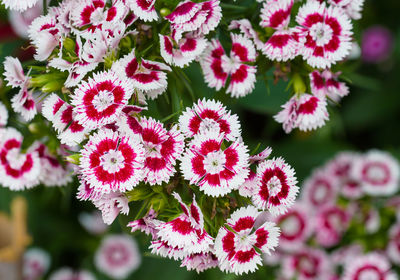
(148, 76)
(17, 170)
(328, 34)
(164, 250)
(118, 256)
(200, 261)
(181, 51)
(247, 30)
(306, 112)
(393, 247)
(13, 73)
(276, 187)
(111, 162)
(209, 115)
(35, 264)
(306, 264)
(371, 266)
(187, 230)
(215, 170)
(128, 123)
(66, 273)
(201, 18)
(248, 188)
(326, 84)
(238, 246)
(319, 190)
(217, 66)
(110, 205)
(331, 222)
(24, 103)
(257, 158)
(51, 105)
(100, 100)
(20, 5)
(162, 149)
(378, 173)
(148, 224)
(295, 227)
(45, 35)
(143, 9)
(353, 8)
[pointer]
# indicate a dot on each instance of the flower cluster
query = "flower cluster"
(335, 227)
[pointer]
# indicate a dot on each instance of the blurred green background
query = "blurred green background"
(367, 118)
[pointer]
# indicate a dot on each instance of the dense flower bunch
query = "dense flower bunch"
(345, 225)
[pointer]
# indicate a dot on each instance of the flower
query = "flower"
(378, 172)
(143, 9)
(326, 84)
(217, 66)
(118, 256)
(331, 223)
(276, 14)
(247, 30)
(13, 73)
(92, 222)
(215, 170)
(353, 8)
(51, 105)
(147, 75)
(377, 44)
(237, 246)
(17, 170)
(276, 187)
(306, 112)
(306, 264)
(328, 34)
(24, 104)
(3, 115)
(20, 21)
(162, 148)
(111, 162)
(209, 115)
(35, 264)
(200, 262)
(295, 227)
(66, 273)
(100, 100)
(393, 247)
(187, 230)
(19, 6)
(371, 266)
(319, 189)
(110, 205)
(148, 224)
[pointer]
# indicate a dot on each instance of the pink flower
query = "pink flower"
(248, 188)
(20, 21)
(237, 248)
(393, 247)
(209, 115)
(326, 84)
(217, 171)
(306, 112)
(111, 205)
(162, 148)
(143, 9)
(92, 222)
(306, 264)
(181, 51)
(100, 100)
(111, 162)
(45, 35)
(148, 76)
(20, 5)
(331, 223)
(319, 190)
(353, 8)
(276, 187)
(371, 266)
(24, 104)
(217, 66)
(295, 226)
(187, 230)
(17, 170)
(118, 256)
(66, 273)
(378, 173)
(148, 224)
(13, 73)
(328, 34)
(200, 261)
(377, 44)
(35, 264)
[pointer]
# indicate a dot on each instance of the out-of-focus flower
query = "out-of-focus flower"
(20, 21)
(20, 5)
(66, 273)
(92, 222)
(36, 262)
(377, 44)
(118, 256)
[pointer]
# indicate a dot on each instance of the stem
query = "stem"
(144, 205)
(45, 7)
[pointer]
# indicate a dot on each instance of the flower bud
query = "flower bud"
(165, 12)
